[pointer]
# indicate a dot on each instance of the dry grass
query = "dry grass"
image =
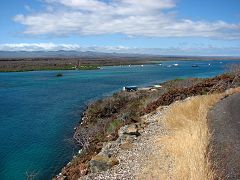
(185, 152)
(188, 144)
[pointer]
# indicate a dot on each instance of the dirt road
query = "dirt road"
(224, 122)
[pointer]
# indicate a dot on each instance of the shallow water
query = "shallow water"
(38, 110)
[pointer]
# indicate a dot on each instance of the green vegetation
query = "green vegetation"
(59, 75)
(105, 117)
(113, 126)
(87, 67)
(37, 68)
(48, 68)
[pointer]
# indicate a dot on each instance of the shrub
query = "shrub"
(234, 71)
(111, 106)
(59, 75)
(113, 126)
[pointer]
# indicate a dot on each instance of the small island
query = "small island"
(59, 75)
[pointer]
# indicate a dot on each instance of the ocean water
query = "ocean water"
(38, 110)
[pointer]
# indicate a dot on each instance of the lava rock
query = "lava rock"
(102, 163)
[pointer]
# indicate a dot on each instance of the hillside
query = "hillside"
(123, 137)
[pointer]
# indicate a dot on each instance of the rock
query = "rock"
(99, 146)
(126, 138)
(126, 146)
(108, 149)
(131, 129)
(114, 161)
(141, 126)
(130, 139)
(102, 163)
(59, 177)
(83, 169)
(128, 133)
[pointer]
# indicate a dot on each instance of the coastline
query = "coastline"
(86, 85)
(169, 92)
(69, 68)
(43, 64)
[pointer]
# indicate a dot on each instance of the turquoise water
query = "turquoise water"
(38, 110)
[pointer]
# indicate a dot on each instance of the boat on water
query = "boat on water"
(130, 88)
(195, 65)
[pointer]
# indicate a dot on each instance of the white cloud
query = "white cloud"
(152, 18)
(58, 47)
(202, 49)
(38, 47)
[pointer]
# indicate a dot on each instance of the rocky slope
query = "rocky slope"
(133, 149)
(125, 149)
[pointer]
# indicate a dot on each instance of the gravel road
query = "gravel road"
(224, 122)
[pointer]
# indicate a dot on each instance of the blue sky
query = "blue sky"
(176, 27)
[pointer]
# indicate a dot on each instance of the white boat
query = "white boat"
(176, 64)
(157, 86)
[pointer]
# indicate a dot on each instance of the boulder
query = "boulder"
(126, 138)
(126, 146)
(109, 149)
(131, 129)
(102, 163)
(83, 169)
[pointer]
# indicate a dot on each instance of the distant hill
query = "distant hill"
(99, 55)
(61, 53)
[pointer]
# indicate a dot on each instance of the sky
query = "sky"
(164, 27)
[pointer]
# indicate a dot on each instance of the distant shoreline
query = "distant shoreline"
(72, 68)
(43, 64)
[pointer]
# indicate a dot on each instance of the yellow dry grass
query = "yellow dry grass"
(188, 144)
(185, 152)
(189, 141)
